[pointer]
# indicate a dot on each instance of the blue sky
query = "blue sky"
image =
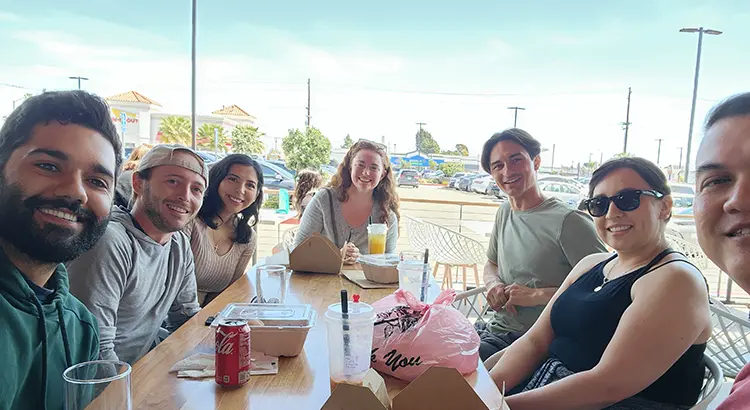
(380, 67)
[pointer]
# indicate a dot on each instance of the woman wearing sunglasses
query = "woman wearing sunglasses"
(625, 330)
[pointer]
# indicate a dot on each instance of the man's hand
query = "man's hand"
(496, 297)
(519, 295)
(350, 253)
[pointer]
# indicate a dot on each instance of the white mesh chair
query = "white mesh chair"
(729, 344)
(711, 384)
(693, 252)
(417, 231)
(288, 238)
(473, 304)
(447, 248)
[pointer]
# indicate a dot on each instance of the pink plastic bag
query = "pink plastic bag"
(411, 336)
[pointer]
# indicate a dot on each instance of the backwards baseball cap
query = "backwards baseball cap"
(165, 155)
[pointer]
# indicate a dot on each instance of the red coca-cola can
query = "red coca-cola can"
(232, 353)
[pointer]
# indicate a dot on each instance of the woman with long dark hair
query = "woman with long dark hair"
(362, 190)
(221, 236)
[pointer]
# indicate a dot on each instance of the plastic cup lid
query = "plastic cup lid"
(358, 312)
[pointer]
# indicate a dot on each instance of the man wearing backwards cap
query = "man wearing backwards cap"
(142, 270)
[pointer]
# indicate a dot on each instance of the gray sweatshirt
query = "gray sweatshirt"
(132, 284)
(319, 217)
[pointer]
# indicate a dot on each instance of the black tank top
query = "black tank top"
(584, 322)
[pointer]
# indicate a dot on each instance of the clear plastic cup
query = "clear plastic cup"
(376, 237)
(271, 283)
(410, 276)
(349, 342)
(100, 384)
(411, 256)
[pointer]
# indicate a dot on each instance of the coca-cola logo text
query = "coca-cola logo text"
(224, 343)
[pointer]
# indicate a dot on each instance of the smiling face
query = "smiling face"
(512, 168)
(640, 228)
(367, 170)
(722, 201)
(239, 189)
(56, 192)
(171, 196)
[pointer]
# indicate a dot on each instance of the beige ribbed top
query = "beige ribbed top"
(214, 272)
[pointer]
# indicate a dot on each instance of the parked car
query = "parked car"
(282, 165)
(275, 177)
(328, 169)
(408, 177)
(464, 184)
(495, 191)
(683, 195)
(480, 184)
(431, 174)
(570, 194)
(208, 157)
(455, 178)
(562, 179)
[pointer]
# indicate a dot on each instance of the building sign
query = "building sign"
(131, 117)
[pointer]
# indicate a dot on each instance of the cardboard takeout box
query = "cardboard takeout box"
(316, 254)
(438, 388)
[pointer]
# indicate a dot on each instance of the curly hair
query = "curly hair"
(385, 192)
(135, 157)
(307, 180)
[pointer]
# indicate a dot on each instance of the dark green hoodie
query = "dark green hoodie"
(35, 348)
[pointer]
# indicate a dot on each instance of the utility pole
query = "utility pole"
(309, 117)
(79, 80)
(553, 158)
(601, 158)
(276, 143)
(700, 32)
(515, 114)
(626, 124)
(680, 166)
(590, 154)
(658, 151)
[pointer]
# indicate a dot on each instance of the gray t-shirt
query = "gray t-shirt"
(132, 284)
(319, 218)
(538, 248)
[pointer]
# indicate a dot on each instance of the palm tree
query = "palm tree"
(206, 138)
(175, 130)
(246, 140)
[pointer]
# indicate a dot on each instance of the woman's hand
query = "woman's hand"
(350, 253)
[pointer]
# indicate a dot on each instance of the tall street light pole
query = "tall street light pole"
(79, 80)
(192, 79)
(658, 151)
(680, 166)
(515, 114)
(700, 31)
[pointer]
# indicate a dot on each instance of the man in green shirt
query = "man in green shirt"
(59, 159)
(535, 241)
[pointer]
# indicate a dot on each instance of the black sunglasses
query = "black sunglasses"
(626, 200)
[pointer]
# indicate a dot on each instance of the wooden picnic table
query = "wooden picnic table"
(302, 381)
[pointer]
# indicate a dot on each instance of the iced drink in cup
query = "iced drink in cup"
(376, 234)
(410, 275)
(349, 342)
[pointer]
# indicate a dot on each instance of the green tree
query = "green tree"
(462, 150)
(175, 130)
(450, 168)
(432, 164)
(207, 141)
(425, 142)
(308, 149)
(404, 164)
(246, 140)
(348, 142)
(623, 155)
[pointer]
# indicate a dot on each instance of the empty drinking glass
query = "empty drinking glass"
(100, 384)
(271, 283)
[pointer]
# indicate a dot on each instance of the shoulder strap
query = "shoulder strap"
(333, 218)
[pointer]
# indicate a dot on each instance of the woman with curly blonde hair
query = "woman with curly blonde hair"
(124, 188)
(362, 190)
(308, 182)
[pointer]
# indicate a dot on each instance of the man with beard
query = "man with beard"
(59, 159)
(142, 271)
(535, 242)
(722, 205)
